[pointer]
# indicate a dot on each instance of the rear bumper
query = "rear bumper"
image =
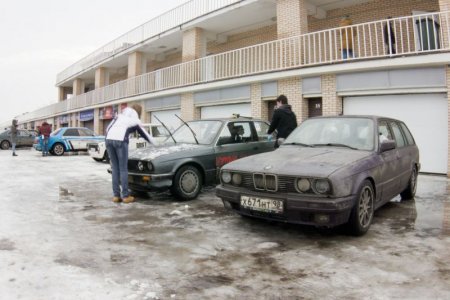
(298, 209)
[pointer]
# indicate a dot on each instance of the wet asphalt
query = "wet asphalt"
(61, 237)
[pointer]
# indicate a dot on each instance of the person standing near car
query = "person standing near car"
(284, 119)
(117, 146)
(14, 136)
(44, 132)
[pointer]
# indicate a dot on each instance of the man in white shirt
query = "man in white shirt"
(117, 146)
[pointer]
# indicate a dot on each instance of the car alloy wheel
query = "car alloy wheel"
(362, 213)
(187, 183)
(58, 149)
(4, 145)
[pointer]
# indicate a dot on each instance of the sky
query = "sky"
(42, 38)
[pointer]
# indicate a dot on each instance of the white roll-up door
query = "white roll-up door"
(167, 117)
(426, 116)
(226, 111)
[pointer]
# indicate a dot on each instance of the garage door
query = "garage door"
(167, 117)
(226, 111)
(424, 114)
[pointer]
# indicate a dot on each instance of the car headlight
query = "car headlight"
(150, 166)
(322, 186)
(236, 179)
(140, 166)
(226, 177)
(303, 185)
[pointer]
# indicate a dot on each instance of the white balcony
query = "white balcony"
(404, 36)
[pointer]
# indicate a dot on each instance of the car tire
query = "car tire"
(4, 145)
(106, 156)
(187, 183)
(58, 149)
(410, 192)
(98, 159)
(362, 213)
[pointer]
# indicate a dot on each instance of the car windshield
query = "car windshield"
(205, 132)
(159, 131)
(355, 133)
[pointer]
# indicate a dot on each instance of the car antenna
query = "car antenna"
(195, 136)
(164, 125)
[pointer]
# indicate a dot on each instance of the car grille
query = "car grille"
(272, 183)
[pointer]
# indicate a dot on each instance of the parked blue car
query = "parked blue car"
(69, 139)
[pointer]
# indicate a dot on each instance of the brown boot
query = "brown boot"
(116, 199)
(128, 199)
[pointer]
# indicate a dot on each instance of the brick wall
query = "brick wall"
(292, 18)
(373, 11)
(259, 108)
(170, 60)
(188, 111)
(291, 88)
(331, 103)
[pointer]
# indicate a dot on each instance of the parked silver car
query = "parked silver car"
(25, 138)
(329, 171)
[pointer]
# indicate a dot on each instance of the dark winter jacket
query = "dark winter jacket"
(284, 121)
(14, 129)
(45, 130)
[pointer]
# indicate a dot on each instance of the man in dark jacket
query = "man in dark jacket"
(283, 120)
(14, 136)
(45, 131)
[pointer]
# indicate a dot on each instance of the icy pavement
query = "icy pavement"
(61, 237)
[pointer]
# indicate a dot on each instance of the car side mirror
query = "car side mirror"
(387, 145)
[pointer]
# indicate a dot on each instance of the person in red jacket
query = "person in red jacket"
(45, 131)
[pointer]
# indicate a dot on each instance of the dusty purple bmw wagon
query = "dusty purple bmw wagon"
(329, 171)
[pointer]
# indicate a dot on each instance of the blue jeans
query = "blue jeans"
(118, 155)
(45, 146)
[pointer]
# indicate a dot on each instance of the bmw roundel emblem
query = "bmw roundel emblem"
(267, 167)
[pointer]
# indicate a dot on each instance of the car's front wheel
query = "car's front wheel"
(5, 145)
(410, 191)
(362, 213)
(187, 183)
(58, 149)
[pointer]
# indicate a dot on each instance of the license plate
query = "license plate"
(262, 204)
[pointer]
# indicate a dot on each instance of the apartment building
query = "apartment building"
(208, 59)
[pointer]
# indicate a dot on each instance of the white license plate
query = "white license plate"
(262, 204)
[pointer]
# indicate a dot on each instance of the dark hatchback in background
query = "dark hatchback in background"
(25, 138)
(329, 171)
(195, 153)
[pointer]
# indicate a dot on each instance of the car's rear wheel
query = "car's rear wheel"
(4, 145)
(58, 149)
(187, 183)
(410, 191)
(362, 213)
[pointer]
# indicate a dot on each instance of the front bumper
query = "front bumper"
(149, 182)
(298, 209)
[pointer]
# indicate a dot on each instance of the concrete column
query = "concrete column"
(61, 93)
(78, 87)
(259, 108)
(331, 103)
(291, 88)
(101, 78)
(188, 111)
(97, 121)
(292, 18)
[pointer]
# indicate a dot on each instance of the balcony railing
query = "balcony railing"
(171, 19)
(420, 34)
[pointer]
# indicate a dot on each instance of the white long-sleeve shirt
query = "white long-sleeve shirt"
(124, 124)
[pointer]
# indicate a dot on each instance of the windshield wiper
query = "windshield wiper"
(164, 125)
(298, 144)
(193, 133)
(337, 145)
